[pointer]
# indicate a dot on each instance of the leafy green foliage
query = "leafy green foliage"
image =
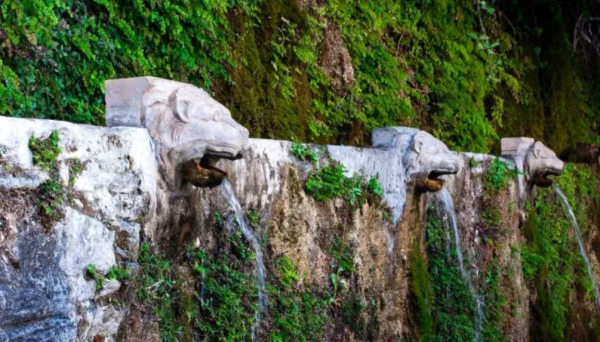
(498, 176)
(342, 266)
(286, 271)
(92, 271)
(114, 273)
(298, 313)
(50, 199)
(45, 152)
(495, 302)
(343, 256)
(303, 152)
(551, 260)
(158, 288)
(452, 306)
(118, 273)
(228, 299)
(374, 187)
(253, 218)
(57, 55)
(239, 247)
(330, 182)
(219, 219)
(51, 196)
(464, 70)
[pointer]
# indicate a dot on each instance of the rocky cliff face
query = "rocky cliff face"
(79, 210)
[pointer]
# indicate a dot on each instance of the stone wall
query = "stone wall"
(44, 294)
(120, 199)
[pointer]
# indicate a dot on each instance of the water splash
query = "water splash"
(227, 192)
(451, 220)
(569, 210)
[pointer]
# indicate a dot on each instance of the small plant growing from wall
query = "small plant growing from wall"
(303, 152)
(498, 176)
(75, 170)
(114, 273)
(45, 152)
(52, 195)
(374, 187)
(330, 182)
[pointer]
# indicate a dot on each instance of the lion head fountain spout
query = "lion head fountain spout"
(191, 129)
(538, 163)
(425, 158)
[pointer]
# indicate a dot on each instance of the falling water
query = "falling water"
(584, 255)
(227, 192)
(451, 219)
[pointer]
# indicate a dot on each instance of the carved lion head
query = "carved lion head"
(541, 164)
(184, 121)
(534, 159)
(425, 158)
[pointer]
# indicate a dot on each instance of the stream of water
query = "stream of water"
(571, 214)
(451, 220)
(227, 192)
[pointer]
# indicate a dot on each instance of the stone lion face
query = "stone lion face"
(427, 159)
(542, 164)
(184, 121)
(195, 124)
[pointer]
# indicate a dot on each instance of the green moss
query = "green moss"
(360, 317)
(492, 217)
(495, 303)
(421, 300)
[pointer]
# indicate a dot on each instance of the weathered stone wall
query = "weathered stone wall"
(120, 199)
(483, 240)
(44, 295)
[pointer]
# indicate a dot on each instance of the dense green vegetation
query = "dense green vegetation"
(467, 71)
(444, 306)
(218, 301)
(551, 260)
(498, 176)
(329, 181)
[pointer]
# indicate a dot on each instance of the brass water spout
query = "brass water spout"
(203, 174)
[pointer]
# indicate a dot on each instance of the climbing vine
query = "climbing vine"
(328, 73)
